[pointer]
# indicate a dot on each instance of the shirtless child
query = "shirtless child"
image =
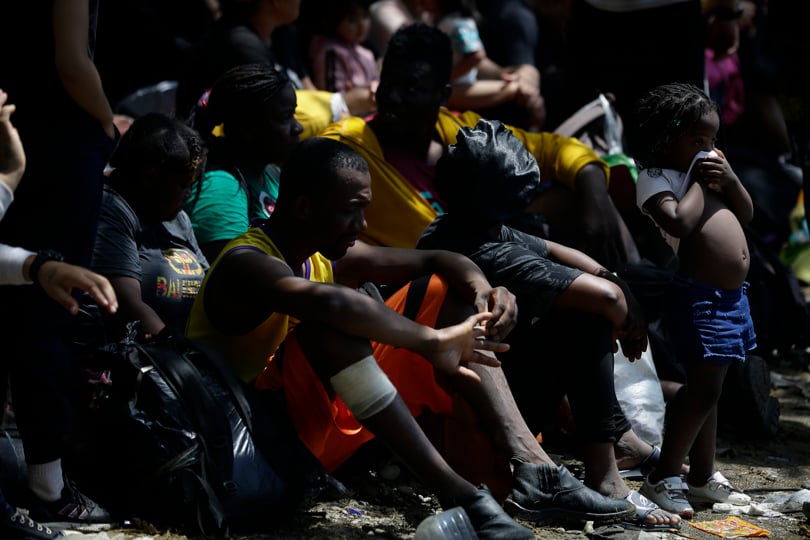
(690, 191)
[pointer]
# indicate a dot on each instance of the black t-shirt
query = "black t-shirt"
(509, 258)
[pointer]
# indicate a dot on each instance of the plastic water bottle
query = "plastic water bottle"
(452, 524)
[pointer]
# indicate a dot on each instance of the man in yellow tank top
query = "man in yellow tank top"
(281, 301)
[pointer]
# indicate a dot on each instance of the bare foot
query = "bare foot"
(659, 516)
(642, 456)
(650, 513)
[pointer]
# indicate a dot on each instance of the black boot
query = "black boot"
(489, 519)
(544, 493)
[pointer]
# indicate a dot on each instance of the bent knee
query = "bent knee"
(330, 348)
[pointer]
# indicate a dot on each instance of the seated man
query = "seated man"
(572, 308)
(411, 130)
(352, 367)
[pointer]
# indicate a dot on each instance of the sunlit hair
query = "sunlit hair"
(236, 98)
(235, 106)
(664, 114)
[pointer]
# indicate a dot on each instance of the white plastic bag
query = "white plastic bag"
(639, 392)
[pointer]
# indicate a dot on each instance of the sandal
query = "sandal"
(645, 507)
(644, 468)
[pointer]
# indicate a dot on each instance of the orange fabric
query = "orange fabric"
(468, 448)
(325, 425)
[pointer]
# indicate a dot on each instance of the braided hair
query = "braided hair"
(236, 97)
(662, 115)
(232, 108)
(157, 142)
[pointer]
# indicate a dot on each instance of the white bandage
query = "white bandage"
(6, 198)
(364, 388)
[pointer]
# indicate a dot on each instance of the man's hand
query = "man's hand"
(632, 332)
(633, 338)
(463, 343)
(502, 305)
(12, 156)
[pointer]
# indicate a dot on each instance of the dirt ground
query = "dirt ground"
(770, 469)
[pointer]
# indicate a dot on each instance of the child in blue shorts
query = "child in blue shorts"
(694, 197)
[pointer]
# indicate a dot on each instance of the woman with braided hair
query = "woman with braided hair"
(249, 125)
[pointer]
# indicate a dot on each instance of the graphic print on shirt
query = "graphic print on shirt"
(186, 275)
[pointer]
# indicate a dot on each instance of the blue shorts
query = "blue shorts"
(708, 324)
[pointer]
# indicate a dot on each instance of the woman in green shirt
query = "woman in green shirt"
(249, 124)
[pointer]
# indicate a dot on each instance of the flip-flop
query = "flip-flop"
(644, 468)
(644, 507)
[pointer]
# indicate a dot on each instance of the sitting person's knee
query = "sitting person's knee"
(333, 350)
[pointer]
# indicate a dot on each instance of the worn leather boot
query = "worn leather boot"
(489, 519)
(548, 493)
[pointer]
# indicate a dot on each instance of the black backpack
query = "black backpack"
(195, 448)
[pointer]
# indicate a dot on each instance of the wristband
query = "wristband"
(42, 257)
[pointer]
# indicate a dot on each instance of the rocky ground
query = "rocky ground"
(771, 470)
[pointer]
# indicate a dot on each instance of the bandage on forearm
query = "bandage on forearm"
(364, 388)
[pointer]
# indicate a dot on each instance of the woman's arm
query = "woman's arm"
(78, 73)
(133, 308)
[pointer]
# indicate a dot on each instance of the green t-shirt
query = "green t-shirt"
(223, 209)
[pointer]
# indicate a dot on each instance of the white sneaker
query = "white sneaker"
(718, 490)
(670, 494)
